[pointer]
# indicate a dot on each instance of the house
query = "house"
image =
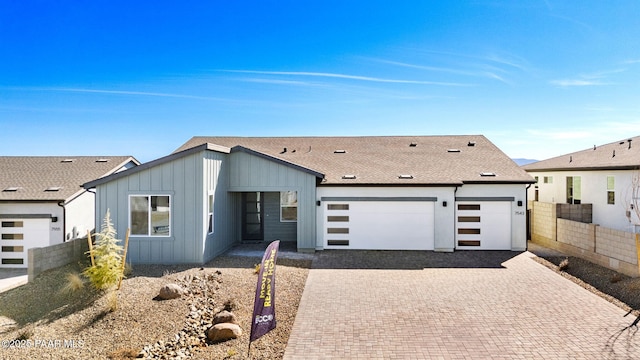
(601, 176)
(437, 193)
(42, 202)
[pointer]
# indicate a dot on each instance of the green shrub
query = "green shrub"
(107, 269)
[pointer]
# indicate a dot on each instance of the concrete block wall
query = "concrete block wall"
(617, 244)
(51, 257)
(577, 234)
(614, 249)
(576, 212)
(543, 221)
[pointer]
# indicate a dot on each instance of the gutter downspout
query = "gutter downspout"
(454, 216)
(64, 220)
(96, 222)
(527, 220)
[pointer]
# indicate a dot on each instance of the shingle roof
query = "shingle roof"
(619, 155)
(31, 176)
(432, 160)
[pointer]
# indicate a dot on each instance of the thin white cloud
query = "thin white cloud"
(486, 74)
(126, 92)
(280, 82)
(596, 78)
(576, 82)
(512, 61)
(428, 68)
(116, 92)
(346, 76)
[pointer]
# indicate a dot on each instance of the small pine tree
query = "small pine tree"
(107, 271)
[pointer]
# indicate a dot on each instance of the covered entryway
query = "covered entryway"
(269, 216)
(378, 224)
(483, 225)
(19, 235)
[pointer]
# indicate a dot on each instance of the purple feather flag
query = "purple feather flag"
(264, 311)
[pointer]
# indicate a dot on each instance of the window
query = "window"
(8, 224)
(574, 195)
(288, 206)
(611, 194)
(468, 231)
(210, 229)
(13, 249)
(12, 236)
(12, 261)
(338, 207)
(548, 179)
(471, 207)
(150, 215)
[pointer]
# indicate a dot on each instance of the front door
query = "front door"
(252, 216)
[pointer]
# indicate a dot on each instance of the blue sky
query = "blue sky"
(538, 78)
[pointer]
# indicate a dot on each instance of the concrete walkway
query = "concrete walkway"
(519, 310)
(12, 278)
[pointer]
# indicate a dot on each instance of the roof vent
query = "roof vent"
(629, 143)
(413, 144)
(621, 142)
(339, 151)
(487, 174)
(405, 176)
(471, 143)
(453, 150)
(11, 189)
(570, 158)
(68, 160)
(614, 154)
(53, 188)
(102, 160)
(348, 176)
(594, 147)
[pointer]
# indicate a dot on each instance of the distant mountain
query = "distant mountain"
(521, 162)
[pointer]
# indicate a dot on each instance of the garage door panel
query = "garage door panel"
(381, 225)
(483, 225)
(17, 236)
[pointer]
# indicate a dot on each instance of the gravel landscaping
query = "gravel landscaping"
(622, 290)
(53, 323)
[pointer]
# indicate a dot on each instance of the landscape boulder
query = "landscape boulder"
(170, 291)
(225, 317)
(223, 332)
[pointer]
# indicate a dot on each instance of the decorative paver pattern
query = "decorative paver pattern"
(521, 310)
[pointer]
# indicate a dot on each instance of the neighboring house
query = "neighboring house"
(411, 193)
(42, 202)
(601, 176)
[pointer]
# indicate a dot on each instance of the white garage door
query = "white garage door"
(379, 225)
(19, 235)
(483, 225)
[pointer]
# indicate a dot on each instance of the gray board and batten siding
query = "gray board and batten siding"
(189, 177)
(183, 179)
(251, 172)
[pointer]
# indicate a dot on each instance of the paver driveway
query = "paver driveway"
(463, 305)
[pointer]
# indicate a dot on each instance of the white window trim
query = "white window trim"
(149, 216)
(288, 206)
(611, 190)
(210, 210)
